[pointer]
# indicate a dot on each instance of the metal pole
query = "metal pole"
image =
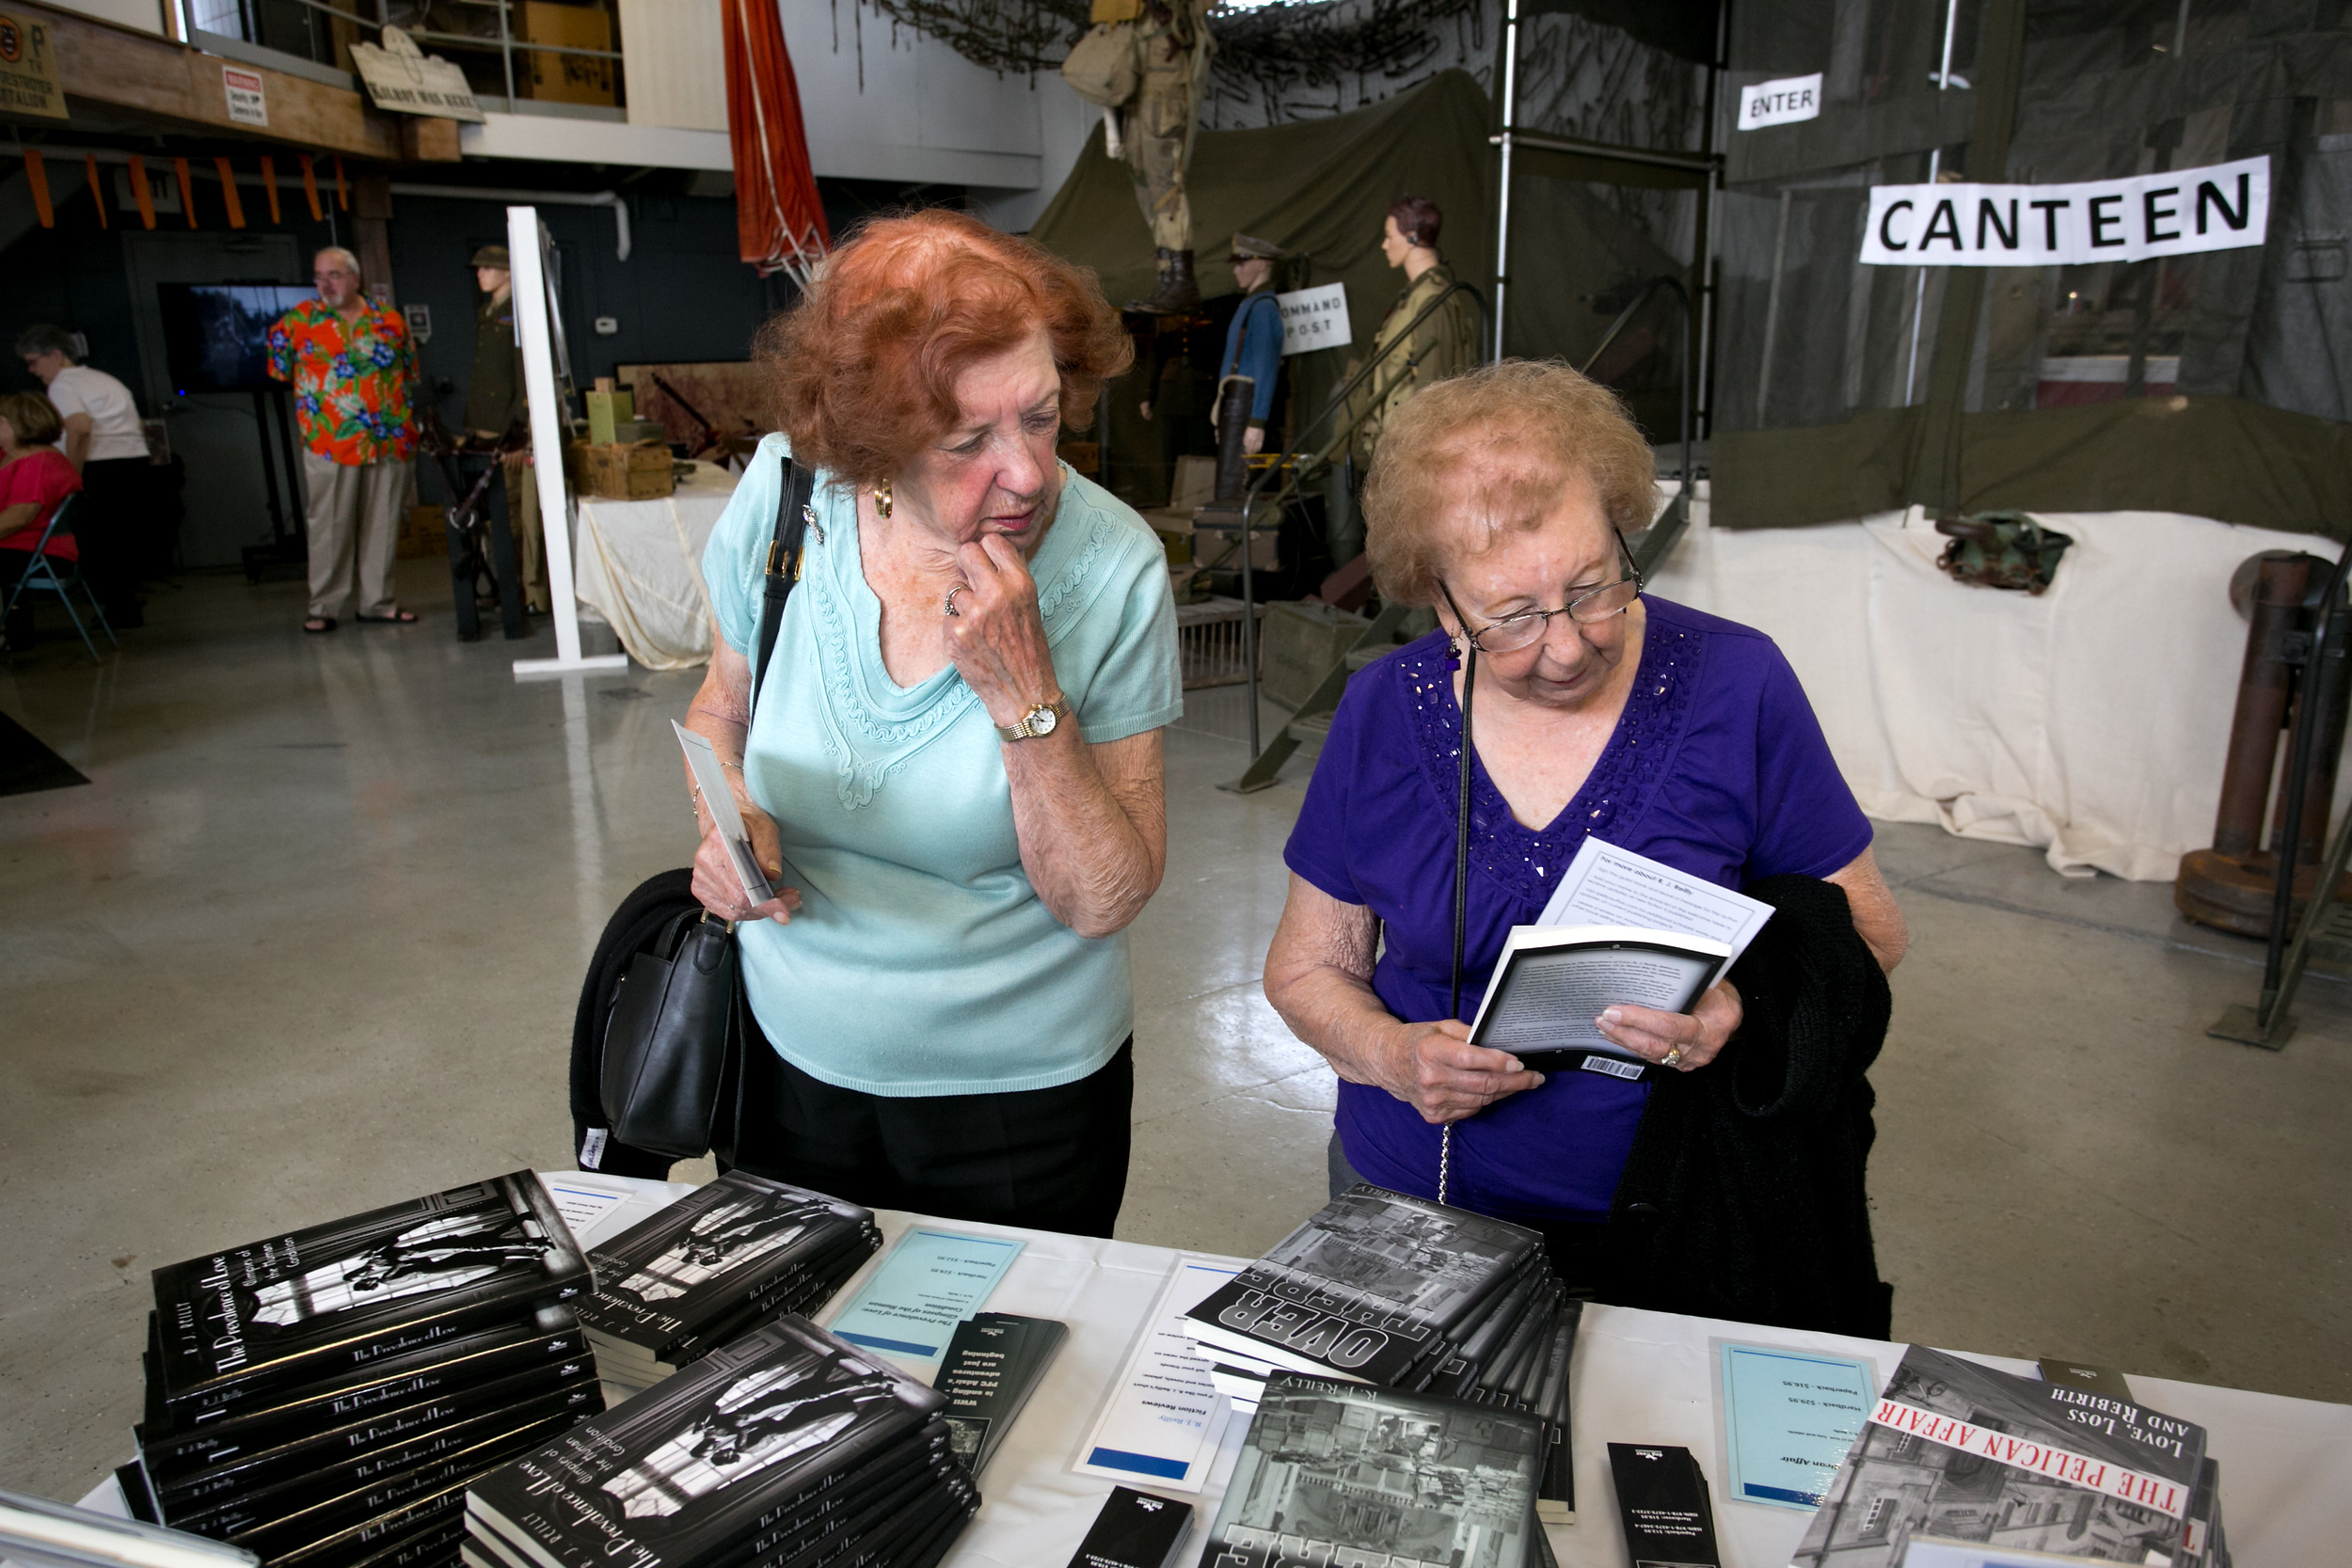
(1935, 167)
(1249, 621)
(1502, 199)
(506, 53)
(1772, 311)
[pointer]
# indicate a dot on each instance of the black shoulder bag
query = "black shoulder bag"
(674, 1042)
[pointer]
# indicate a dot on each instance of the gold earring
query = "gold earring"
(882, 499)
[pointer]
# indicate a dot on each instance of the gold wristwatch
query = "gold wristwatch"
(1039, 720)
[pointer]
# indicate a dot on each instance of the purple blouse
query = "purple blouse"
(1717, 768)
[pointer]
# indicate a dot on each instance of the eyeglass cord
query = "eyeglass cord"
(1461, 882)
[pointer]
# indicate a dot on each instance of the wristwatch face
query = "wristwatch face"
(1040, 719)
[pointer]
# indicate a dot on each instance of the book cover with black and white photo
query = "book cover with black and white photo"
(690, 1471)
(319, 1302)
(1337, 1472)
(1953, 1449)
(1368, 1288)
(547, 1342)
(710, 1253)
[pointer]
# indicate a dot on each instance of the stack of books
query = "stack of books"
(1391, 1290)
(721, 1262)
(1336, 1472)
(322, 1398)
(785, 1448)
(1957, 1458)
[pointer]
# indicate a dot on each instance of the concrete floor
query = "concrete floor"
(312, 942)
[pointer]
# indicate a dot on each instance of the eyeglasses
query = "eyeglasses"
(1584, 608)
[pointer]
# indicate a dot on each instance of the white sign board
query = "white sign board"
(1313, 318)
(243, 88)
(402, 79)
(1780, 102)
(2131, 218)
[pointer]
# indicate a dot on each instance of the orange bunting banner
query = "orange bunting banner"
(310, 188)
(229, 193)
(97, 191)
(139, 191)
(269, 187)
(187, 189)
(38, 178)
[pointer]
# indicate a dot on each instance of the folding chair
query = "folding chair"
(42, 576)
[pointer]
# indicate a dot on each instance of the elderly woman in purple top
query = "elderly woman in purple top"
(1500, 499)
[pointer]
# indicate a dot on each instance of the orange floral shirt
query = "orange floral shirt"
(350, 383)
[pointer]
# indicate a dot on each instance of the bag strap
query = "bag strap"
(786, 551)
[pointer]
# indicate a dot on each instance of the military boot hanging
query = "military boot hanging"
(1176, 292)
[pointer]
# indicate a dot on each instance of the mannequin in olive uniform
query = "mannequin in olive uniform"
(1156, 129)
(493, 399)
(1446, 343)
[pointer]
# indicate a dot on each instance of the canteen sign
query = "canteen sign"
(1781, 103)
(2135, 218)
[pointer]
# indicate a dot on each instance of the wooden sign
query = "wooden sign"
(28, 69)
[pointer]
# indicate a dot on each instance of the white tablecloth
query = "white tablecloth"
(2091, 720)
(1638, 1377)
(640, 566)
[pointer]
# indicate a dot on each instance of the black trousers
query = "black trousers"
(110, 530)
(1572, 1248)
(1052, 1159)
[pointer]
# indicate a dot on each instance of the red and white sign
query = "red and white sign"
(2042, 1459)
(243, 88)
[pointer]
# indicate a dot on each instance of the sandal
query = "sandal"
(397, 618)
(318, 623)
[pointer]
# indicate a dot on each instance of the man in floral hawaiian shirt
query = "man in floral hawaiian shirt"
(351, 366)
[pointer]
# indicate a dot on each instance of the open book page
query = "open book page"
(1608, 886)
(1552, 983)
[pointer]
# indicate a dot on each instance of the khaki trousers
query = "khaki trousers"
(522, 521)
(1158, 163)
(352, 514)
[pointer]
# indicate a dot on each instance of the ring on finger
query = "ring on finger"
(1672, 1059)
(950, 606)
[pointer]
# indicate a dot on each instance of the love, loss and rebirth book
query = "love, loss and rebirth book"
(690, 1471)
(1956, 1451)
(1339, 1473)
(1368, 1288)
(319, 1302)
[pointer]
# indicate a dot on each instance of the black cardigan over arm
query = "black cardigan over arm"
(1743, 1195)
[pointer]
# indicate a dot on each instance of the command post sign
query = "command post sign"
(1313, 318)
(28, 69)
(2133, 218)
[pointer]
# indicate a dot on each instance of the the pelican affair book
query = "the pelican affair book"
(313, 1303)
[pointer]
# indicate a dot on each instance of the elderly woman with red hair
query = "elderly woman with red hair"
(952, 767)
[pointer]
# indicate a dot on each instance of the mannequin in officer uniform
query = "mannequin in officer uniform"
(494, 399)
(1254, 342)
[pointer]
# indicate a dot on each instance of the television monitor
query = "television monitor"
(216, 334)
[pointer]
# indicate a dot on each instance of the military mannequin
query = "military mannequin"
(494, 397)
(1253, 340)
(1155, 128)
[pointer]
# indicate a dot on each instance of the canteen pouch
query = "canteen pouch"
(2002, 549)
(1104, 67)
(670, 1054)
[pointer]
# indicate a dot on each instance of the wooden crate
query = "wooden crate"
(632, 472)
(1301, 643)
(424, 533)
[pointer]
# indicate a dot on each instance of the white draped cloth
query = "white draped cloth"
(641, 567)
(2091, 720)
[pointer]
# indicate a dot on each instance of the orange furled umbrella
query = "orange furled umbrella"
(779, 221)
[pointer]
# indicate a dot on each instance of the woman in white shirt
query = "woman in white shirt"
(105, 445)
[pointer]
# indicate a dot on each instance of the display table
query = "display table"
(640, 565)
(2286, 1464)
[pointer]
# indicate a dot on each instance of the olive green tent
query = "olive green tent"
(1321, 187)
